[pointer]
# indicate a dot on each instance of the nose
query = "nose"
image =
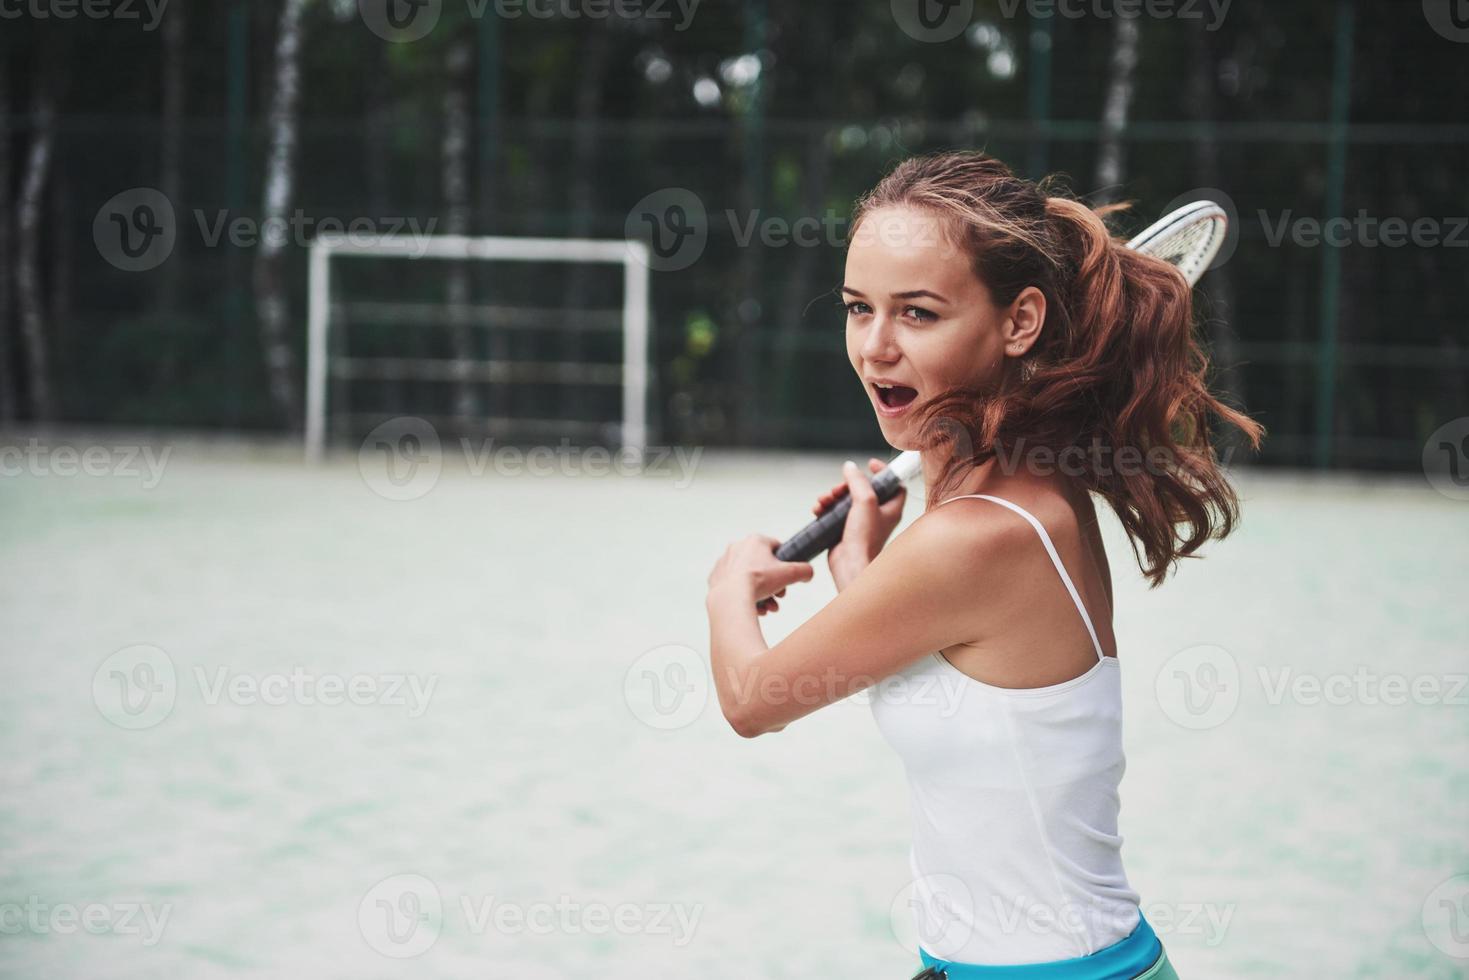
(880, 346)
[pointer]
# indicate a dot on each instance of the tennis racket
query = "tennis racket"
(1187, 239)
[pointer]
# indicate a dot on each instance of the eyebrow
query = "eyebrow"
(911, 294)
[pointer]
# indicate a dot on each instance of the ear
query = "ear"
(1024, 321)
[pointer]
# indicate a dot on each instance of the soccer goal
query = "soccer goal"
(332, 310)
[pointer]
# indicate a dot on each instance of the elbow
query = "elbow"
(744, 725)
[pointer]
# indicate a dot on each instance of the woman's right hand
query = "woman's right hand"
(868, 525)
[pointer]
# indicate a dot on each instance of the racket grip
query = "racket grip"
(826, 530)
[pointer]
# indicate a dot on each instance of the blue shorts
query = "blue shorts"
(1140, 955)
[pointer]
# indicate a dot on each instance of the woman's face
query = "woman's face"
(919, 318)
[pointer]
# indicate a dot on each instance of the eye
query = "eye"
(857, 308)
(919, 313)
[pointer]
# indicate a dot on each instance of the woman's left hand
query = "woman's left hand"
(750, 565)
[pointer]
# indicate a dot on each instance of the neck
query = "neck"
(933, 463)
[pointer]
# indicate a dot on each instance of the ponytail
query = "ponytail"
(1116, 382)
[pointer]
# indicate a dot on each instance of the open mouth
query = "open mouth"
(896, 396)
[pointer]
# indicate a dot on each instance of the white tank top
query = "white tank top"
(1014, 798)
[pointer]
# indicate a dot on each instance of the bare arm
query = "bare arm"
(915, 597)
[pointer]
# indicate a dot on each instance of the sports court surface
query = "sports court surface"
(574, 820)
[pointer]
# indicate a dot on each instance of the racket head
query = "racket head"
(1187, 239)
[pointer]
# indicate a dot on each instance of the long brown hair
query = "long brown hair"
(1116, 364)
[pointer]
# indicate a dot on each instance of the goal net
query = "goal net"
(526, 339)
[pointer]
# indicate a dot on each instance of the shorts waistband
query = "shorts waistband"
(1123, 960)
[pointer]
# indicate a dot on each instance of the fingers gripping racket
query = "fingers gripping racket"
(1188, 239)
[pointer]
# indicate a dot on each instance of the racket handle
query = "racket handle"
(826, 530)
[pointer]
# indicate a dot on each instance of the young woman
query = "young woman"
(1037, 364)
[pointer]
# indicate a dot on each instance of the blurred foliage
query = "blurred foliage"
(789, 109)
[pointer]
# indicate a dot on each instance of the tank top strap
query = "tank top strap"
(1055, 560)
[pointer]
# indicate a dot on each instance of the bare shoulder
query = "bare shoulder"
(966, 535)
(977, 522)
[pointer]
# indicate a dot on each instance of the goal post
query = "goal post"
(632, 255)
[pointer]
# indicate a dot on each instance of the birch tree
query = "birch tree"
(1111, 155)
(271, 302)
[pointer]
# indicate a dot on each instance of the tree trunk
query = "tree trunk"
(270, 287)
(9, 404)
(596, 52)
(30, 209)
(1111, 155)
(1218, 285)
(815, 177)
(457, 63)
(747, 312)
(171, 141)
